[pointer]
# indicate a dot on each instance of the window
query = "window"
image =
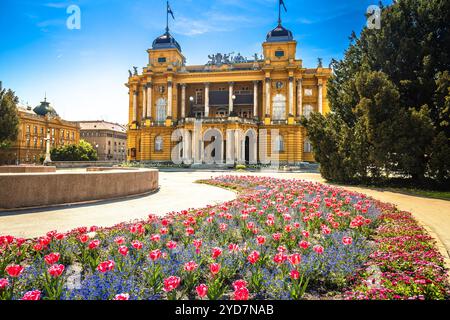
(199, 96)
(308, 110)
(28, 129)
(279, 144)
(308, 92)
(161, 106)
(28, 141)
(162, 60)
(158, 143)
(307, 147)
(42, 143)
(279, 53)
(35, 130)
(279, 107)
(35, 142)
(42, 130)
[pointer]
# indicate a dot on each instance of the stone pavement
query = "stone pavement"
(177, 192)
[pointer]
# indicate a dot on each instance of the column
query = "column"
(206, 100)
(268, 84)
(237, 146)
(230, 97)
(255, 99)
(135, 98)
(149, 100)
(144, 101)
(291, 96)
(299, 97)
(320, 98)
(183, 101)
(169, 98)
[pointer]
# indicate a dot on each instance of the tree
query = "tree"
(81, 152)
(9, 118)
(390, 98)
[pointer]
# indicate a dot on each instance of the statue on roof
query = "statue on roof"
(135, 71)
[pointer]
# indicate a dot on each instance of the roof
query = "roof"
(166, 41)
(102, 125)
(44, 108)
(279, 34)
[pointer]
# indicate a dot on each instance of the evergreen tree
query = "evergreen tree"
(9, 118)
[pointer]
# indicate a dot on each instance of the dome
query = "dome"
(279, 34)
(166, 41)
(44, 108)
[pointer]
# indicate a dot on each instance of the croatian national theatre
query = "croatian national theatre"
(229, 94)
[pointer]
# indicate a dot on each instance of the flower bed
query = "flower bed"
(281, 239)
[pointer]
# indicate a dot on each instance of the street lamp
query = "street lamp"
(233, 113)
(191, 102)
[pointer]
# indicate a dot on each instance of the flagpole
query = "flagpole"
(279, 12)
(167, 17)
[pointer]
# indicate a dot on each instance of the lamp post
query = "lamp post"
(48, 158)
(233, 113)
(191, 104)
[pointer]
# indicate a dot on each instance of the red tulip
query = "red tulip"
(216, 252)
(106, 266)
(318, 249)
(56, 270)
(123, 250)
(241, 294)
(94, 244)
(214, 268)
(261, 240)
(137, 245)
(52, 258)
(155, 255)
(3, 283)
(347, 241)
(295, 259)
(122, 297)
(119, 240)
(190, 266)
(304, 244)
(171, 283)
(32, 295)
(202, 290)
(253, 257)
(295, 275)
(14, 270)
(83, 238)
(239, 284)
(171, 245)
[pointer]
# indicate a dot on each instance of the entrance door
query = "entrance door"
(247, 149)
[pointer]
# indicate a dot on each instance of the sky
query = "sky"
(83, 71)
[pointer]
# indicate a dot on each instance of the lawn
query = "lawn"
(281, 239)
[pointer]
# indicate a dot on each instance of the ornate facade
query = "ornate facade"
(33, 127)
(228, 94)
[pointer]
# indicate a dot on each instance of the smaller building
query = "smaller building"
(109, 139)
(34, 124)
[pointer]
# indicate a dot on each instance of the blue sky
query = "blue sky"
(83, 71)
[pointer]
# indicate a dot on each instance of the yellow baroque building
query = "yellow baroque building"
(34, 124)
(228, 94)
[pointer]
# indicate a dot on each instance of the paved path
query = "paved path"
(177, 192)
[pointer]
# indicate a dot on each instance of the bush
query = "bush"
(81, 152)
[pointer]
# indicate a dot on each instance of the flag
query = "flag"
(282, 4)
(169, 10)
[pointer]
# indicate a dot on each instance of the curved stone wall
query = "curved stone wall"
(23, 190)
(26, 169)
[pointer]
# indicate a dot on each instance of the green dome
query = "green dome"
(44, 108)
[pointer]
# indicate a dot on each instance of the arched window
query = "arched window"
(161, 110)
(307, 147)
(279, 107)
(159, 143)
(279, 144)
(308, 110)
